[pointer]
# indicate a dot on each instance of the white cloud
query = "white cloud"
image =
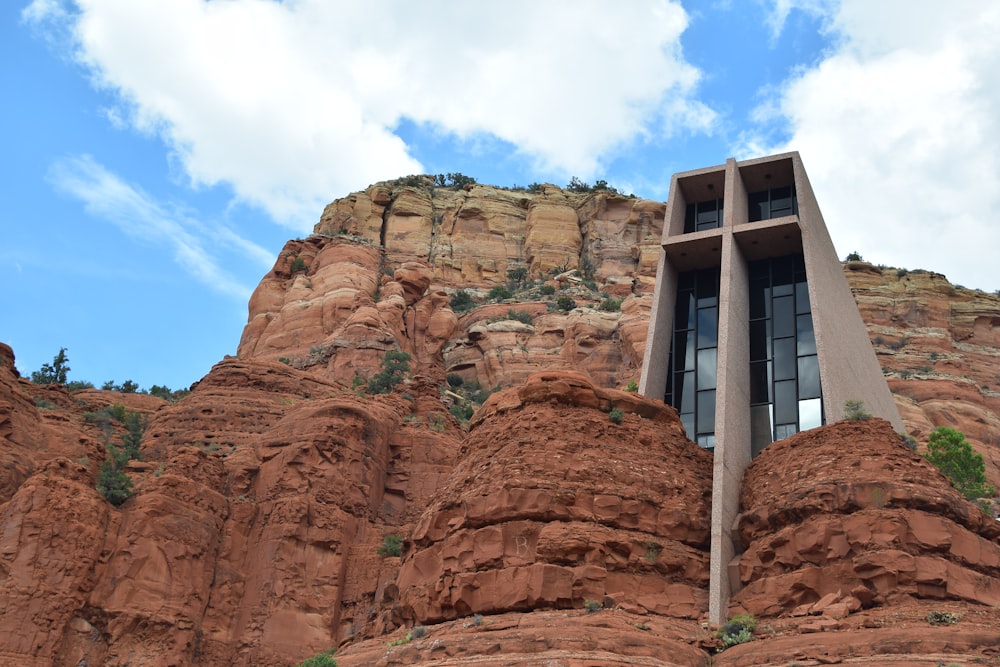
(141, 217)
(899, 128)
(294, 103)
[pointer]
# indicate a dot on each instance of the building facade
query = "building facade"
(754, 333)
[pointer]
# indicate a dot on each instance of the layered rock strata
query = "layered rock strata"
(551, 504)
(847, 517)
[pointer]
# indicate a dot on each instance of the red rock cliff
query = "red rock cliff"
(262, 497)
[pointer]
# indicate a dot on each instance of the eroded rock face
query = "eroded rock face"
(262, 498)
(552, 504)
(940, 347)
(846, 516)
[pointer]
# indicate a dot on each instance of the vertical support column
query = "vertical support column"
(732, 412)
(653, 381)
(848, 367)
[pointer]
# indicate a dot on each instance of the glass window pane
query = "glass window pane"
(708, 215)
(785, 402)
(760, 383)
(706, 411)
(782, 431)
(708, 322)
(688, 421)
(761, 428)
(708, 288)
(706, 368)
(689, 217)
(801, 297)
(783, 322)
(784, 359)
(683, 340)
(809, 377)
(804, 334)
(706, 441)
(783, 270)
(685, 280)
(760, 301)
(760, 341)
(781, 202)
(684, 310)
(757, 206)
(810, 414)
(684, 391)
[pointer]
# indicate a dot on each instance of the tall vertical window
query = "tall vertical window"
(691, 373)
(785, 394)
(703, 215)
(772, 203)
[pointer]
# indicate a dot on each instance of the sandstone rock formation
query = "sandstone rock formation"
(262, 498)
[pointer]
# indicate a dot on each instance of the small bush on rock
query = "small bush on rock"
(616, 416)
(855, 411)
(395, 367)
(935, 617)
(565, 304)
(592, 605)
(113, 483)
(392, 545)
(461, 301)
(323, 659)
(952, 454)
(737, 630)
(499, 293)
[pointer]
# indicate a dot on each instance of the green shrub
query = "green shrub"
(855, 411)
(461, 301)
(418, 631)
(632, 386)
(44, 403)
(546, 290)
(113, 483)
(395, 368)
(737, 630)
(592, 605)
(323, 659)
(499, 293)
(476, 393)
(454, 380)
(392, 545)
(77, 385)
(565, 304)
(952, 454)
(522, 316)
(453, 179)
(54, 373)
(462, 412)
(935, 617)
(854, 257)
(739, 637)
(437, 421)
(616, 416)
(517, 276)
(610, 305)
(298, 264)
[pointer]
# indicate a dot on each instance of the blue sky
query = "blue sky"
(157, 155)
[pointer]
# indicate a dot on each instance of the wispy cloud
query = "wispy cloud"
(144, 219)
(899, 126)
(294, 103)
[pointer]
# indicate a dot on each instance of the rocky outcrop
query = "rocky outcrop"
(847, 517)
(262, 498)
(548, 506)
(939, 345)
